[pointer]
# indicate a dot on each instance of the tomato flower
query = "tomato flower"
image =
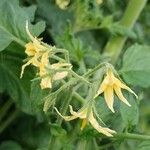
(87, 116)
(111, 84)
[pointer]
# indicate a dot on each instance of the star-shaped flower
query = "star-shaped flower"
(111, 84)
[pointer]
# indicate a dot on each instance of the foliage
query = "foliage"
(80, 30)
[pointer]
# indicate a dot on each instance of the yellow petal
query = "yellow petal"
(60, 75)
(101, 89)
(120, 95)
(109, 97)
(59, 65)
(46, 82)
(82, 113)
(127, 88)
(84, 122)
(24, 66)
(67, 118)
(45, 58)
(30, 49)
(103, 130)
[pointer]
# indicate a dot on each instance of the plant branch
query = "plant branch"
(115, 45)
(132, 136)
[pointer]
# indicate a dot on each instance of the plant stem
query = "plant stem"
(10, 119)
(115, 45)
(20, 42)
(64, 107)
(5, 109)
(79, 77)
(78, 97)
(132, 136)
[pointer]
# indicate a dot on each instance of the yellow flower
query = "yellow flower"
(82, 114)
(34, 50)
(30, 49)
(111, 84)
(34, 46)
(62, 3)
(44, 65)
(33, 61)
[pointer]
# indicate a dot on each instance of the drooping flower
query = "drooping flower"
(111, 84)
(87, 117)
(34, 50)
(44, 71)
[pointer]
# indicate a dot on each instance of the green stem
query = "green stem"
(10, 119)
(5, 109)
(90, 72)
(64, 107)
(132, 136)
(20, 42)
(80, 77)
(115, 45)
(78, 97)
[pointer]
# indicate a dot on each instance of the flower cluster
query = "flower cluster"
(108, 85)
(40, 55)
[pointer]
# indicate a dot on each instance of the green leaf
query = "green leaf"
(12, 23)
(36, 97)
(57, 130)
(16, 88)
(136, 68)
(56, 18)
(10, 145)
(12, 28)
(130, 115)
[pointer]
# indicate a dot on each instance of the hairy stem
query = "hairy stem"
(115, 45)
(132, 136)
(64, 107)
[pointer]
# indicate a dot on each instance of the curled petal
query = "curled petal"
(120, 95)
(60, 75)
(80, 114)
(24, 66)
(60, 65)
(127, 88)
(104, 130)
(109, 97)
(67, 118)
(46, 82)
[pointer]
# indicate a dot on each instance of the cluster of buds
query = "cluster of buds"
(40, 55)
